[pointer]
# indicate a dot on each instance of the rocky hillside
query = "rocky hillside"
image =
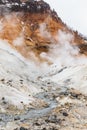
(35, 25)
(43, 69)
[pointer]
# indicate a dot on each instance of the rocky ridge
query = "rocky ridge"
(28, 20)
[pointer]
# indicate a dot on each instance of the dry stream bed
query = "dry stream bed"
(64, 109)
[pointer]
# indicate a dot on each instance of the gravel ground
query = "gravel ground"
(65, 110)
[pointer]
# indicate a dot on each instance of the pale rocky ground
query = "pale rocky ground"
(31, 99)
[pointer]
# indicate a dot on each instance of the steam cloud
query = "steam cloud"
(63, 53)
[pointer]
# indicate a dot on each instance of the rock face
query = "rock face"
(35, 25)
(43, 69)
(27, 20)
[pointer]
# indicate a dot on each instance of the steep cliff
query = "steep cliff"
(33, 26)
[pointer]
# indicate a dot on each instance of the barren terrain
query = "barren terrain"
(43, 69)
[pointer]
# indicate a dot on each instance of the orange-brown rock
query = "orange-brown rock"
(33, 26)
